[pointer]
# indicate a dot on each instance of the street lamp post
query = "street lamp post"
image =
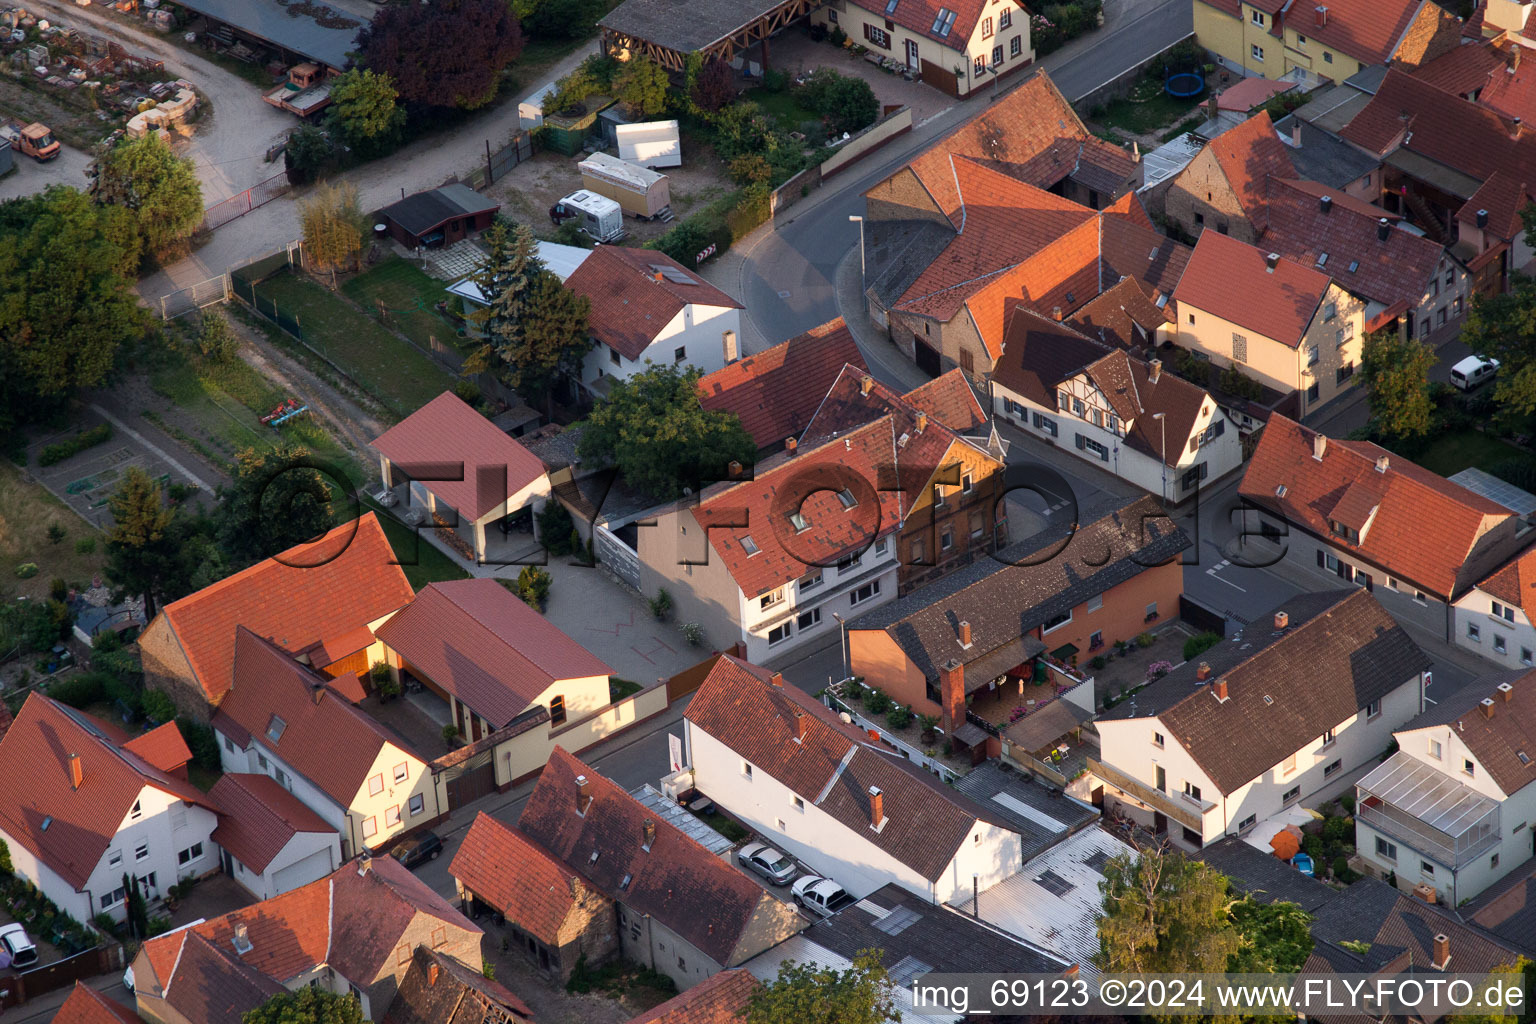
(842, 630)
(862, 282)
(1162, 453)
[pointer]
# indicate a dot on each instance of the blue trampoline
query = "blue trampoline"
(1185, 84)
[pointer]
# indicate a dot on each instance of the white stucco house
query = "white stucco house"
(647, 308)
(819, 790)
(1262, 722)
(82, 812)
(465, 475)
(269, 841)
(1491, 620)
(282, 720)
(1452, 808)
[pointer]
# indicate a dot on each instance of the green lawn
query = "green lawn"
(1451, 453)
(1147, 109)
(781, 106)
(409, 296)
(393, 371)
(422, 561)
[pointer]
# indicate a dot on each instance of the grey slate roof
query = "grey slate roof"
(932, 936)
(1324, 157)
(1008, 595)
(1401, 931)
(284, 26)
(1273, 709)
(424, 211)
(1266, 877)
(986, 782)
(684, 25)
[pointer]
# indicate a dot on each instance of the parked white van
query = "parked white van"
(1473, 371)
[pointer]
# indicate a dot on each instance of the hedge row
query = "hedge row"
(74, 445)
(722, 223)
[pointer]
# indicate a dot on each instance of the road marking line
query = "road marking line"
(1212, 574)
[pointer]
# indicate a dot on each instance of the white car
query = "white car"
(20, 948)
(821, 896)
(1472, 371)
(768, 862)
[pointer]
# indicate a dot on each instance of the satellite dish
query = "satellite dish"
(846, 717)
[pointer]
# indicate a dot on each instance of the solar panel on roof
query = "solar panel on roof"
(898, 921)
(906, 970)
(1097, 861)
(1054, 884)
(672, 274)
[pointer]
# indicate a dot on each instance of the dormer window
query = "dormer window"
(749, 546)
(798, 522)
(846, 497)
(1348, 533)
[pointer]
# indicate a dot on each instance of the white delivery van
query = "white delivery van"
(600, 217)
(1472, 371)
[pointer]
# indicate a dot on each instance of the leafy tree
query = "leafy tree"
(307, 1006)
(446, 54)
(364, 113)
(533, 586)
(714, 87)
(1527, 972)
(138, 908)
(66, 298)
(652, 428)
(1504, 327)
(750, 169)
(334, 228)
(1164, 913)
(684, 243)
(847, 103)
(278, 499)
(160, 187)
(555, 339)
(306, 154)
(561, 19)
(1395, 373)
(215, 338)
(1276, 937)
(155, 550)
(643, 87)
(808, 994)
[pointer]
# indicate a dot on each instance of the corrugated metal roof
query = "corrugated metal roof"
(684, 822)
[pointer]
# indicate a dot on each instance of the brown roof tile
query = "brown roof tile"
(629, 305)
(259, 818)
(1503, 199)
(1126, 316)
(1499, 742)
(926, 823)
(1231, 279)
(718, 909)
(87, 1006)
(438, 989)
(80, 822)
(323, 737)
(1465, 69)
(1425, 529)
(447, 438)
(309, 592)
(207, 985)
(948, 398)
(1367, 30)
(775, 392)
(1248, 155)
(163, 747)
(485, 646)
(719, 999)
(1514, 582)
(508, 870)
(1272, 709)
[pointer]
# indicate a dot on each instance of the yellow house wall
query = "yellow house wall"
(366, 805)
(852, 20)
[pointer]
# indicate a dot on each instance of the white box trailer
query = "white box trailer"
(650, 144)
(639, 190)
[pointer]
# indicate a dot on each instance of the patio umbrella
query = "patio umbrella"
(1285, 844)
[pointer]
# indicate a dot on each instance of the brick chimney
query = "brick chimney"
(734, 470)
(1056, 313)
(1282, 619)
(1382, 463)
(647, 834)
(739, 649)
(866, 382)
(791, 445)
(1506, 691)
(1486, 707)
(1296, 132)
(876, 807)
(1154, 370)
(583, 794)
(922, 422)
(1220, 689)
(1322, 17)
(1442, 951)
(1383, 230)
(431, 974)
(1203, 672)
(965, 634)
(802, 725)
(76, 771)
(777, 679)
(952, 695)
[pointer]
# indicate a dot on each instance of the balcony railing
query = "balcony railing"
(1180, 808)
(1455, 851)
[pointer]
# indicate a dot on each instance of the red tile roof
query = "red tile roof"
(920, 16)
(1503, 198)
(775, 392)
(486, 647)
(163, 747)
(1031, 134)
(325, 588)
(948, 398)
(69, 829)
(1002, 222)
(1465, 69)
(513, 873)
(1248, 93)
(1248, 155)
(926, 822)
(87, 1006)
(718, 909)
(448, 438)
(719, 999)
(1126, 316)
(1398, 269)
(323, 736)
(808, 480)
(1230, 279)
(1425, 527)
(1367, 30)
(204, 984)
(260, 817)
(629, 305)
(1514, 583)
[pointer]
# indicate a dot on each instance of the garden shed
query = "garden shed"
(439, 216)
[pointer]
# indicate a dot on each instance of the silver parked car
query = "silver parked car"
(22, 953)
(768, 862)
